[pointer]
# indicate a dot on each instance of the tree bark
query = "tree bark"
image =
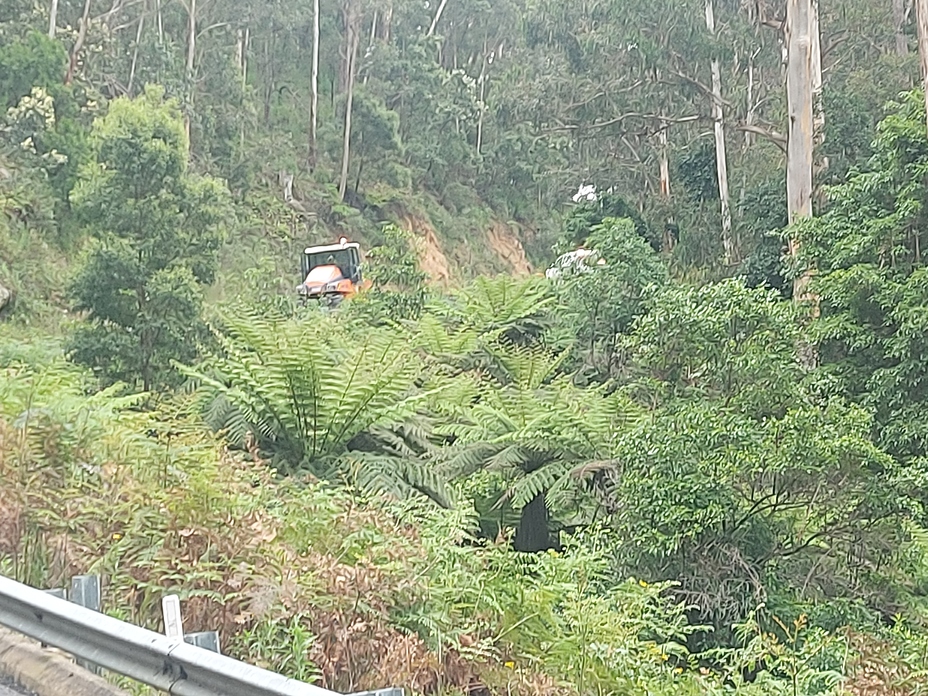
(534, 532)
(191, 37)
(483, 95)
(664, 161)
(386, 25)
(352, 17)
(751, 110)
(160, 22)
(921, 16)
(79, 43)
(899, 18)
(53, 19)
(314, 86)
(668, 239)
(818, 105)
(721, 158)
(799, 87)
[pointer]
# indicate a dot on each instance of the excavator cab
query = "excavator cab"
(331, 273)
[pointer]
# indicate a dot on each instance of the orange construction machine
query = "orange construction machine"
(331, 273)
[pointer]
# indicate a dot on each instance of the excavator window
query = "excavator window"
(347, 260)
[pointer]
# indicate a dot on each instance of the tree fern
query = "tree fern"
(532, 424)
(312, 395)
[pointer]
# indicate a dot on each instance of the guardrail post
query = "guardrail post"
(85, 591)
(208, 640)
(173, 622)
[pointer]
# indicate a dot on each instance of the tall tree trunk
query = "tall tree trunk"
(241, 55)
(434, 25)
(160, 22)
(78, 43)
(352, 22)
(386, 25)
(663, 137)
(818, 104)
(664, 161)
(899, 18)
(921, 16)
(135, 51)
(53, 19)
(191, 60)
(483, 95)
(191, 36)
(314, 86)
(721, 159)
(799, 87)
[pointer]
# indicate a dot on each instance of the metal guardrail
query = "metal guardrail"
(164, 663)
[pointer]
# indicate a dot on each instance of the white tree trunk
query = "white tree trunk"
(53, 19)
(818, 105)
(351, 28)
(664, 161)
(483, 95)
(441, 8)
(721, 158)
(314, 87)
(191, 37)
(921, 16)
(799, 87)
(135, 52)
(191, 61)
(751, 106)
(246, 42)
(160, 22)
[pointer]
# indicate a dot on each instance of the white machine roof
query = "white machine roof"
(331, 247)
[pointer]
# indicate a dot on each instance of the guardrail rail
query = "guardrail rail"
(168, 664)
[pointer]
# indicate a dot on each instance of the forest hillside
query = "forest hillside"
(695, 461)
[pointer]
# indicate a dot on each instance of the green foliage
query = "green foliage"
(871, 281)
(398, 289)
(589, 216)
(742, 471)
(319, 398)
(598, 304)
(779, 501)
(545, 435)
(29, 61)
(157, 231)
(721, 342)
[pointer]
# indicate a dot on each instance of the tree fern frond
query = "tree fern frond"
(524, 490)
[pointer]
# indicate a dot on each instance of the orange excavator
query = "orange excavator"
(331, 273)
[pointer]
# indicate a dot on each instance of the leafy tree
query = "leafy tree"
(28, 61)
(156, 230)
(722, 342)
(744, 484)
(46, 122)
(398, 290)
(598, 304)
(587, 216)
(871, 281)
